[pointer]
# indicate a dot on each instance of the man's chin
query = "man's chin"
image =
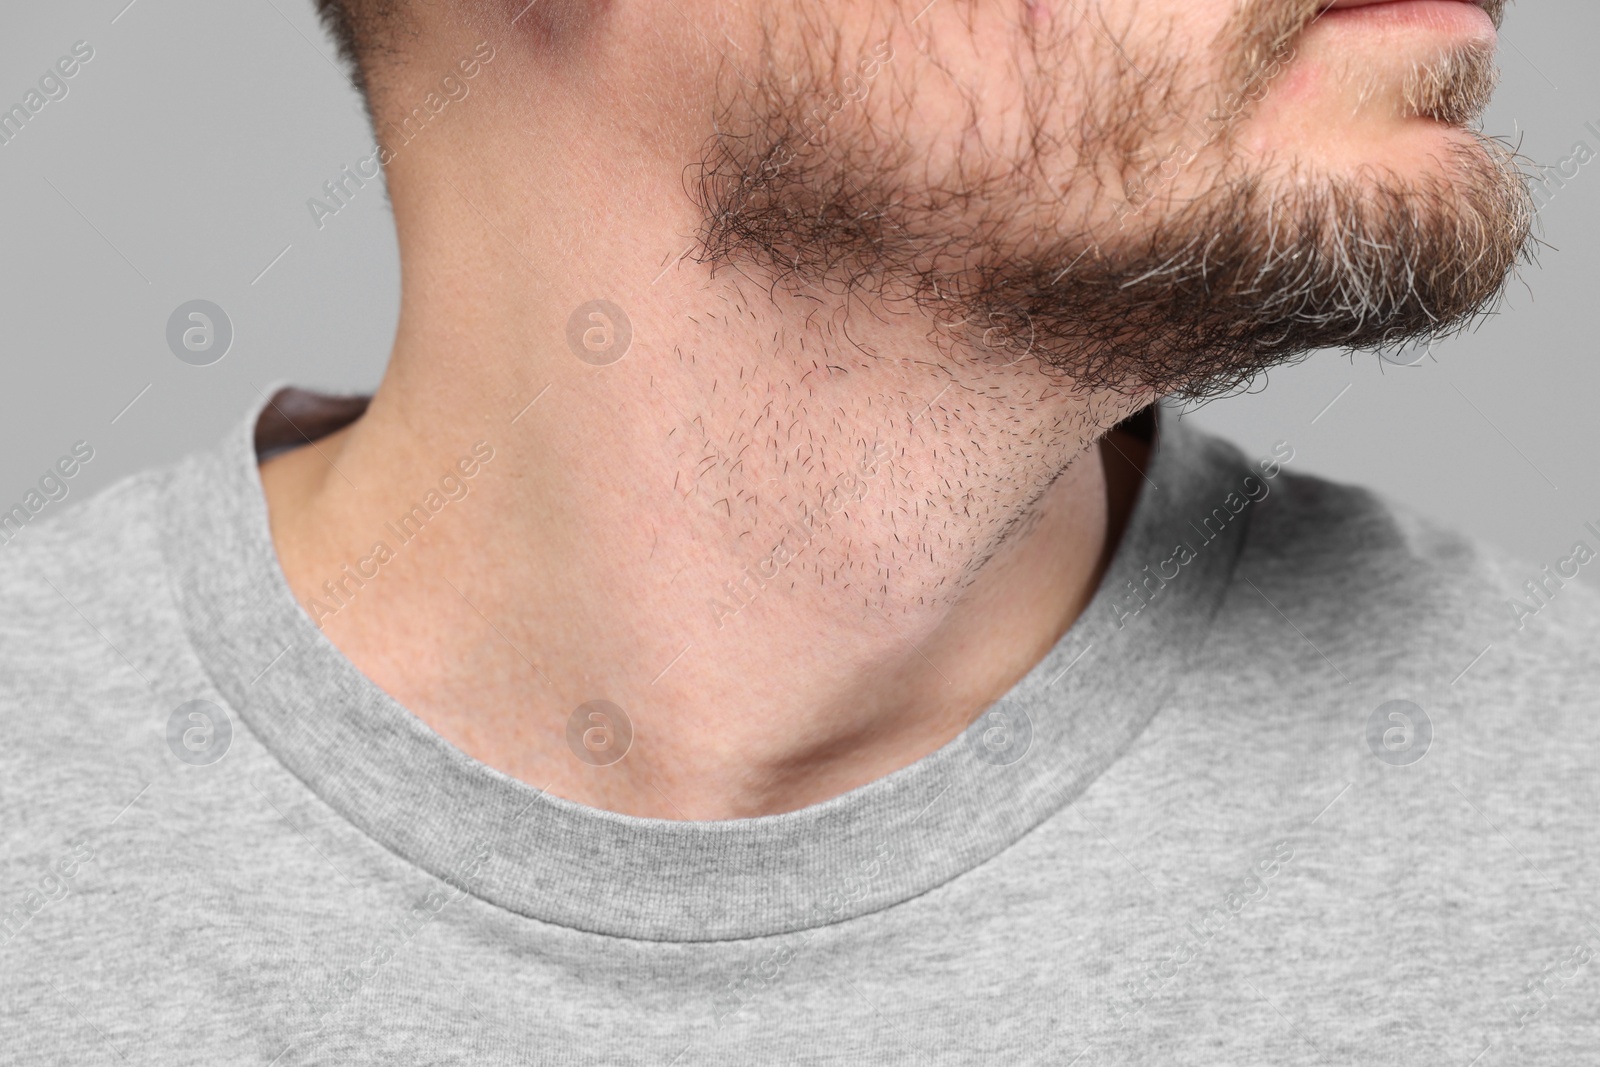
(1270, 263)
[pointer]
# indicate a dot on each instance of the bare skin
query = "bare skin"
(535, 593)
(963, 503)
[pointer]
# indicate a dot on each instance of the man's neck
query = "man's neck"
(799, 548)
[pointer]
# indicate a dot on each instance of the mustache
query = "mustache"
(1264, 29)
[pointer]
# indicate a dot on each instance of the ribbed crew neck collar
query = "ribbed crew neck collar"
(556, 861)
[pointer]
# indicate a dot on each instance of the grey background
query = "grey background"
(179, 165)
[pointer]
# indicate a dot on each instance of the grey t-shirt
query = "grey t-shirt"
(1301, 786)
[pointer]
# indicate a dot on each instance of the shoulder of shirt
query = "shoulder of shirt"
(87, 536)
(1389, 580)
(93, 651)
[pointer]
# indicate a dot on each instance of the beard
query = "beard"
(1011, 253)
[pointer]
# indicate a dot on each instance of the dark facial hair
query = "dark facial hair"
(1195, 300)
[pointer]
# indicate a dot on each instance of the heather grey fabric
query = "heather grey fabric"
(1300, 787)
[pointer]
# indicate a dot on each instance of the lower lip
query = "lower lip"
(1455, 17)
